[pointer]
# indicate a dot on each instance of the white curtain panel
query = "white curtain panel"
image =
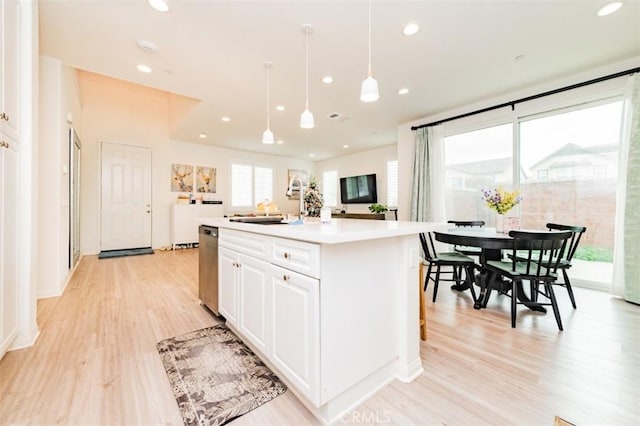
(427, 189)
(626, 276)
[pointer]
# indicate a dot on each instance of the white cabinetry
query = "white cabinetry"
(9, 158)
(274, 308)
(295, 328)
(184, 227)
(10, 67)
(9, 171)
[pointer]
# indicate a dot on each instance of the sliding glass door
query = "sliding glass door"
(565, 166)
(569, 163)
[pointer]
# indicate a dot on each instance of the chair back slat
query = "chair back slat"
(467, 223)
(576, 231)
(428, 248)
(544, 252)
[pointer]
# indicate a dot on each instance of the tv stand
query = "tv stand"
(374, 216)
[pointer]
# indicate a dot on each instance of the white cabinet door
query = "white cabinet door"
(9, 160)
(295, 342)
(227, 284)
(254, 279)
(10, 67)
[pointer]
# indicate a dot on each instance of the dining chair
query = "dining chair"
(535, 257)
(565, 262)
(469, 251)
(456, 261)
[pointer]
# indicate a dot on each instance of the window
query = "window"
(244, 178)
(476, 160)
(330, 188)
(392, 183)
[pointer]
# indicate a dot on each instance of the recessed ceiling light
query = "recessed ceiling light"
(345, 146)
(203, 135)
(279, 142)
(312, 155)
(159, 5)
(226, 119)
(410, 29)
(403, 91)
(609, 8)
(280, 108)
(327, 79)
(144, 68)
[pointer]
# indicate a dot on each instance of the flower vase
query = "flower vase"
(504, 224)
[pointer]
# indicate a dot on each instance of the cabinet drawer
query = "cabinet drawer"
(297, 256)
(254, 245)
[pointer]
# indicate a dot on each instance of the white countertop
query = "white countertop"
(335, 232)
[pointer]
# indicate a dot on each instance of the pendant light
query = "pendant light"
(306, 118)
(369, 90)
(267, 136)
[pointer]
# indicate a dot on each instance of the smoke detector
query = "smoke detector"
(147, 46)
(336, 116)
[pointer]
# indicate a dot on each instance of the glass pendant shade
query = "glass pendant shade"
(369, 90)
(267, 137)
(306, 119)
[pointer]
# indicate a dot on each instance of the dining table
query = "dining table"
(491, 244)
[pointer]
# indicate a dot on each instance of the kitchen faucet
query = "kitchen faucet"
(290, 193)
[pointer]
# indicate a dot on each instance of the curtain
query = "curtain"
(626, 277)
(427, 187)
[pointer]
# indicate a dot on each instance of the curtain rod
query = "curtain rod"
(530, 98)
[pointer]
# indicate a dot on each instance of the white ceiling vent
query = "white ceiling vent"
(336, 116)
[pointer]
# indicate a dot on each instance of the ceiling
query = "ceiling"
(214, 51)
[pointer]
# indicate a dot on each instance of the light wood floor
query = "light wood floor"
(95, 361)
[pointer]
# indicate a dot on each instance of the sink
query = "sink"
(260, 220)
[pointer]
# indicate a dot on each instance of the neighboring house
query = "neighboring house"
(573, 161)
(480, 174)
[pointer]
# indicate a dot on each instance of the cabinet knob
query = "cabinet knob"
(4, 116)
(3, 144)
(286, 255)
(286, 277)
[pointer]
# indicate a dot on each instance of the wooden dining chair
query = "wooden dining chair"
(572, 246)
(456, 261)
(535, 257)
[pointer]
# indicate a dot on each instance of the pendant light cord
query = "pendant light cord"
(369, 73)
(306, 105)
(268, 67)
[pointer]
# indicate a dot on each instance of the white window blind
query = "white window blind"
(250, 185)
(263, 178)
(241, 186)
(330, 188)
(392, 183)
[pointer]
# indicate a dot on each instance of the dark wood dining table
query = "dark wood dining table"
(491, 244)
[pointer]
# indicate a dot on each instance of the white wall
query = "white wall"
(120, 112)
(406, 135)
(360, 163)
(58, 99)
(221, 159)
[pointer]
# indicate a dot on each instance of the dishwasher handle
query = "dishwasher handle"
(207, 230)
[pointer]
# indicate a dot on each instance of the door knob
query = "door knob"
(4, 117)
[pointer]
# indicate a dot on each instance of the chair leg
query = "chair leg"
(435, 283)
(469, 279)
(567, 284)
(514, 301)
(554, 304)
(488, 284)
(426, 278)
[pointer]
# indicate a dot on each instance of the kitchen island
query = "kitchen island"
(332, 308)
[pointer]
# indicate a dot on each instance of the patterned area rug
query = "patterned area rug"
(215, 377)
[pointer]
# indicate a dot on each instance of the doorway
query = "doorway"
(125, 197)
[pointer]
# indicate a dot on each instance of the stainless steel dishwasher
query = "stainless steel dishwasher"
(208, 267)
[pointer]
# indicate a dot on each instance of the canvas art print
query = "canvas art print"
(205, 179)
(181, 178)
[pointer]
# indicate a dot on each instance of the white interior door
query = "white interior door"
(126, 197)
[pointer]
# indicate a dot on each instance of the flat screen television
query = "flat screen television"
(358, 189)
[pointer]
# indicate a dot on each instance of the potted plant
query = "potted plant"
(378, 208)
